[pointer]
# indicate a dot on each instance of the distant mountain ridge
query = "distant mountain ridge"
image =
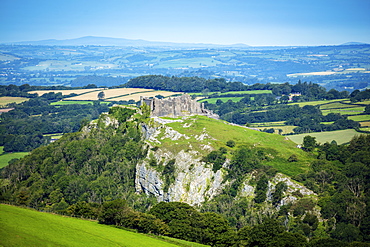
(107, 41)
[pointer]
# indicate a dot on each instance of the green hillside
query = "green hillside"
(25, 227)
(277, 147)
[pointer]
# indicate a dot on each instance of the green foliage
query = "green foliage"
(186, 223)
(309, 143)
(230, 143)
(261, 189)
(216, 158)
(121, 113)
(280, 188)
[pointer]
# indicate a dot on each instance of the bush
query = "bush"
(230, 143)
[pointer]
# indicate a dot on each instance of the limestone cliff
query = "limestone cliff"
(186, 142)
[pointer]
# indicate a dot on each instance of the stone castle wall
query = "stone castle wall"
(175, 107)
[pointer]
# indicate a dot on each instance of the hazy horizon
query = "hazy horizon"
(262, 23)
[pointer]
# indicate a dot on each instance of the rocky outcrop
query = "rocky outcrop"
(194, 181)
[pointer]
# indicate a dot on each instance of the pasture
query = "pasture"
(7, 100)
(26, 227)
(118, 94)
(72, 102)
(360, 118)
(318, 102)
(223, 99)
(340, 136)
(6, 157)
(67, 92)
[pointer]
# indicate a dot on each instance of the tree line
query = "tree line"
(22, 129)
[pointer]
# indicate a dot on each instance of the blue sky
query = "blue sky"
(257, 22)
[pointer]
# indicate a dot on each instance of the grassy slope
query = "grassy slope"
(278, 147)
(25, 227)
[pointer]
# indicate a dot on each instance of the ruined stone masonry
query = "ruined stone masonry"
(176, 107)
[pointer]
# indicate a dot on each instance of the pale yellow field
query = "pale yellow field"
(110, 93)
(65, 92)
(365, 124)
(136, 97)
(7, 100)
(313, 73)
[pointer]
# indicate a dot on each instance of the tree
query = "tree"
(101, 95)
(309, 143)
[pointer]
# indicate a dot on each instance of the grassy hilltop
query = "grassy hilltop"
(219, 132)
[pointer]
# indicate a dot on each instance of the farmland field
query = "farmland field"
(81, 102)
(248, 92)
(224, 99)
(360, 118)
(122, 94)
(365, 124)
(319, 102)
(137, 96)
(25, 227)
(66, 92)
(336, 105)
(340, 136)
(7, 100)
(6, 157)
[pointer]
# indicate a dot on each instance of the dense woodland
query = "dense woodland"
(86, 174)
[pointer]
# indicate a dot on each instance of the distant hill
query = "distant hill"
(354, 43)
(106, 41)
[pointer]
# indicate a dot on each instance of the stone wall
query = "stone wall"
(175, 107)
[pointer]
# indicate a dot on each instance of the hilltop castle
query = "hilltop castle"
(175, 107)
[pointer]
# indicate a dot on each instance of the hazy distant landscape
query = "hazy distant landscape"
(69, 62)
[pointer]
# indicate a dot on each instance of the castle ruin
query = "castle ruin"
(176, 107)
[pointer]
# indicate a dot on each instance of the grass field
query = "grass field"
(71, 102)
(25, 227)
(318, 102)
(336, 105)
(7, 100)
(223, 99)
(340, 136)
(126, 94)
(137, 96)
(6, 157)
(360, 118)
(66, 92)
(248, 92)
(342, 112)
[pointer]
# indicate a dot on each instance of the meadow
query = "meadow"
(66, 92)
(118, 94)
(340, 136)
(223, 99)
(72, 102)
(7, 100)
(26, 227)
(6, 157)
